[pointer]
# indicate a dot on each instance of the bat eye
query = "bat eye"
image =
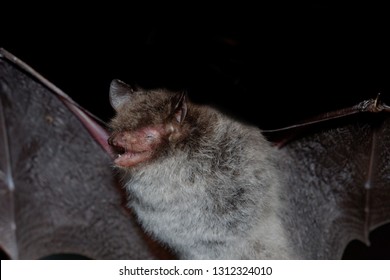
(150, 137)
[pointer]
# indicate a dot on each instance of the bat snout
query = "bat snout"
(116, 144)
(111, 141)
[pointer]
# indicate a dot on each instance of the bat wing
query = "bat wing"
(58, 194)
(338, 183)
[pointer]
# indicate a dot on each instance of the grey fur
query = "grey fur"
(211, 195)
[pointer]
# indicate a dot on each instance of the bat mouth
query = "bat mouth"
(128, 158)
(119, 151)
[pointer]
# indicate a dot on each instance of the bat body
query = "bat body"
(213, 188)
(208, 186)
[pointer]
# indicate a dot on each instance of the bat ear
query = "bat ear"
(120, 93)
(179, 111)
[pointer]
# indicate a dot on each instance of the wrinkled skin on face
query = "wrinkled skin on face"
(137, 146)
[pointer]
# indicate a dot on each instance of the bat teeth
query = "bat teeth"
(119, 155)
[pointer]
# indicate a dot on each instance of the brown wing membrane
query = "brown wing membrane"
(57, 190)
(338, 185)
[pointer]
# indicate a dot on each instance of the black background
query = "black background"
(269, 66)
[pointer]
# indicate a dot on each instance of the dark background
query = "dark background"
(269, 66)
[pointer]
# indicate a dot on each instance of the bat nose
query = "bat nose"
(111, 140)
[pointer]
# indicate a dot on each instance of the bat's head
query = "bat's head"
(147, 123)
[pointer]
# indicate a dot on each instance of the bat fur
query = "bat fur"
(207, 186)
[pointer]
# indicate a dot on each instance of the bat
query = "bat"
(214, 188)
(198, 181)
(60, 195)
